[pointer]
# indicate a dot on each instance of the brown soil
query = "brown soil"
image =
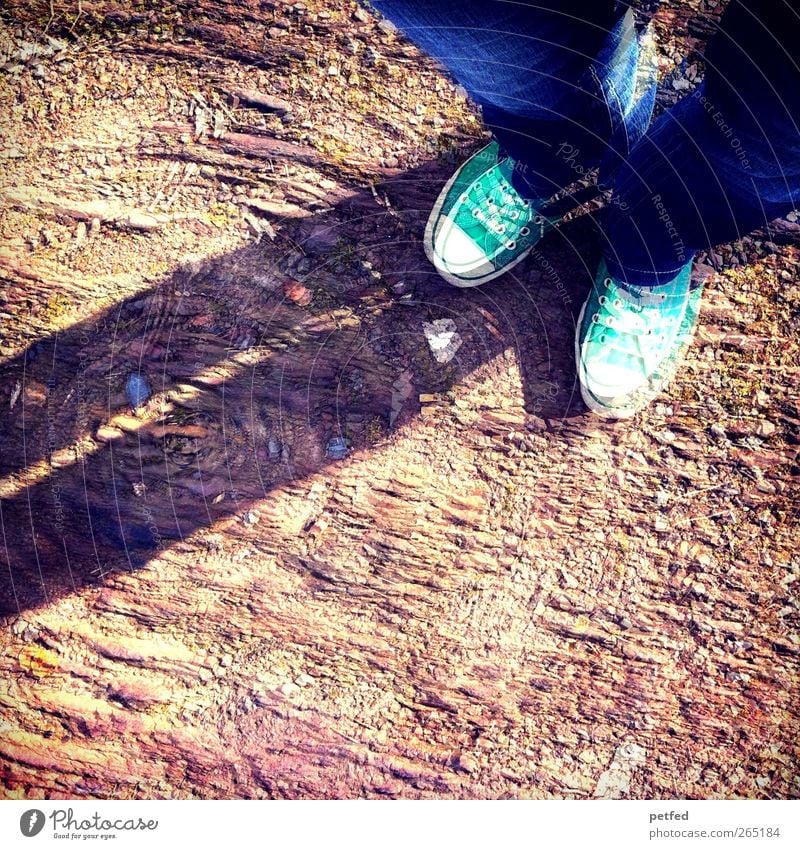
(493, 594)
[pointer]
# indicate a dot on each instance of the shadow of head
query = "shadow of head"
(260, 368)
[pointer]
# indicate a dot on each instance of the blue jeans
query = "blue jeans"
(558, 84)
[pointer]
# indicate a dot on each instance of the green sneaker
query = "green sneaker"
(480, 226)
(630, 340)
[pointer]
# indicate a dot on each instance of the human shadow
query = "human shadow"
(261, 367)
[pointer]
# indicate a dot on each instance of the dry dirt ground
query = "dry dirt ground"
(315, 561)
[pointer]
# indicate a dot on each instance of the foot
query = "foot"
(480, 226)
(629, 340)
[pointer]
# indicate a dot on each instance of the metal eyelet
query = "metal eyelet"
(595, 318)
(513, 215)
(617, 303)
(602, 300)
(476, 212)
(511, 245)
(538, 219)
(524, 231)
(501, 228)
(602, 337)
(607, 282)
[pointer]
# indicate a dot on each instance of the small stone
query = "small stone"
(251, 518)
(130, 424)
(253, 224)
(265, 102)
(273, 448)
(297, 292)
(717, 430)
(443, 338)
(467, 763)
(137, 390)
(361, 15)
(387, 27)
(337, 448)
(107, 434)
(138, 220)
(18, 627)
(765, 429)
(321, 239)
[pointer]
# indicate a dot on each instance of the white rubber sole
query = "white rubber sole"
(591, 402)
(643, 397)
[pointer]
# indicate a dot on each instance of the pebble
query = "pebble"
(321, 239)
(273, 448)
(260, 100)
(137, 389)
(443, 338)
(467, 763)
(337, 448)
(250, 518)
(765, 429)
(718, 431)
(297, 292)
(107, 434)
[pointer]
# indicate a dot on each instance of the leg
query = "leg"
(722, 162)
(542, 73)
(558, 84)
